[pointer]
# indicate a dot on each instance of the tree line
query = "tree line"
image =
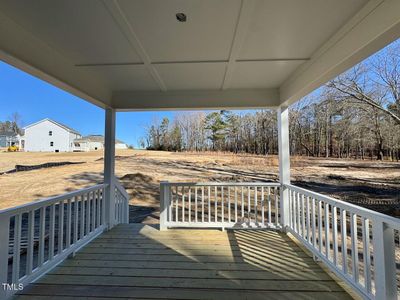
(356, 115)
(13, 124)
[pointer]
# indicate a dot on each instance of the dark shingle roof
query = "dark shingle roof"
(96, 138)
(7, 133)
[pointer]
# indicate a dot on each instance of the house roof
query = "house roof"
(8, 133)
(56, 123)
(95, 138)
(228, 54)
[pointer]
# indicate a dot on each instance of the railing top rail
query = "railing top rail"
(48, 201)
(361, 211)
(121, 189)
(240, 184)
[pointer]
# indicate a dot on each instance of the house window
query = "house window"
(51, 144)
(50, 133)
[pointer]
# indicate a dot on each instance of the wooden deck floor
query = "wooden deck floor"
(137, 261)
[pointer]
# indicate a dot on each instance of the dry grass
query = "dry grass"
(141, 171)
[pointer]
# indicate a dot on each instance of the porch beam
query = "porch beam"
(109, 167)
(196, 99)
(376, 25)
(284, 161)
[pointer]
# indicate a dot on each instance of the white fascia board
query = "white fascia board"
(196, 99)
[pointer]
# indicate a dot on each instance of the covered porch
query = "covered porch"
(139, 261)
(80, 245)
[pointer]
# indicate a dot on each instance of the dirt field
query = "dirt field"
(372, 184)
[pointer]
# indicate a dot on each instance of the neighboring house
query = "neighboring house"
(49, 136)
(120, 145)
(89, 143)
(95, 142)
(9, 138)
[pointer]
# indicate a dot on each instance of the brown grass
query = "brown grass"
(368, 182)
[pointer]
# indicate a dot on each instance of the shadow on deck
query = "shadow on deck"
(138, 261)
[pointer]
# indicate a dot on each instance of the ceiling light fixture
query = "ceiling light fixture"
(181, 17)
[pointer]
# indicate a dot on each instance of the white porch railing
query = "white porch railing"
(361, 246)
(222, 205)
(37, 236)
(121, 204)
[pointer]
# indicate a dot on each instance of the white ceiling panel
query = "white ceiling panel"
(83, 31)
(266, 74)
(192, 75)
(126, 77)
(293, 28)
(207, 34)
(225, 47)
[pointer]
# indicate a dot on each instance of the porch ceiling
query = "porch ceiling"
(134, 55)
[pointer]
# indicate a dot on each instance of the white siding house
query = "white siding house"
(120, 145)
(49, 136)
(89, 143)
(9, 138)
(95, 142)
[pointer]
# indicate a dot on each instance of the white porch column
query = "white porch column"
(284, 161)
(109, 167)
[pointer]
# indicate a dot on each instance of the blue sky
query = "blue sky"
(35, 99)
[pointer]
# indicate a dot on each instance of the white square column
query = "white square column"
(109, 167)
(284, 162)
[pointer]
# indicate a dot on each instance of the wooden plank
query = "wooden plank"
(210, 240)
(207, 258)
(58, 297)
(261, 285)
(198, 234)
(142, 262)
(191, 265)
(173, 293)
(206, 242)
(196, 246)
(188, 273)
(200, 252)
(193, 245)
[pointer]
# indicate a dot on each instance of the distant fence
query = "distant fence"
(22, 168)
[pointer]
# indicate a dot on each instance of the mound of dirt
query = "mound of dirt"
(137, 177)
(336, 177)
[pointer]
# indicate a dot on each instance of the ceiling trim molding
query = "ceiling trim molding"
(272, 59)
(156, 63)
(122, 21)
(245, 14)
(110, 64)
(196, 99)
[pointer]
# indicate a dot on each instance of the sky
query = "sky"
(34, 100)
